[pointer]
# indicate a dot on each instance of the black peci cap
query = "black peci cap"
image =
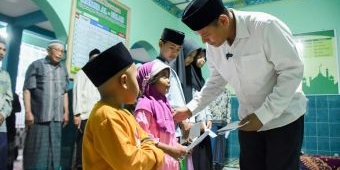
(93, 52)
(200, 13)
(107, 64)
(173, 36)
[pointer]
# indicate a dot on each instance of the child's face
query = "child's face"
(190, 58)
(132, 85)
(200, 60)
(169, 50)
(162, 83)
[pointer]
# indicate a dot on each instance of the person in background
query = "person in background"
(11, 132)
(6, 98)
(113, 140)
(255, 53)
(85, 95)
(46, 109)
(170, 45)
(188, 67)
(153, 111)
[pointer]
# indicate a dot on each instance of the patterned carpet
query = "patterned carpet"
(319, 162)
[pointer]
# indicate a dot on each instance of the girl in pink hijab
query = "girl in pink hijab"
(154, 114)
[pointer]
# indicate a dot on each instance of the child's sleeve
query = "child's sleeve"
(144, 119)
(119, 143)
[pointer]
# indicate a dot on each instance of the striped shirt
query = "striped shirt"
(47, 84)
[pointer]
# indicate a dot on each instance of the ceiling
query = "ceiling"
(23, 13)
(27, 14)
(176, 7)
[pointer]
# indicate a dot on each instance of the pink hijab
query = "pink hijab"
(152, 101)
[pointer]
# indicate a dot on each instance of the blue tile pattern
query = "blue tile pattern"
(322, 126)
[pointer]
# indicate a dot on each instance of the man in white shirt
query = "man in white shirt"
(85, 96)
(255, 53)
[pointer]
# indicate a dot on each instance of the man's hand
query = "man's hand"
(209, 124)
(29, 118)
(65, 119)
(180, 114)
(254, 123)
(2, 119)
(77, 120)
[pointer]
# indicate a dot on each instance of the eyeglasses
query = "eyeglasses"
(58, 50)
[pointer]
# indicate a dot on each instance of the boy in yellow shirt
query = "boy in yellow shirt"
(112, 138)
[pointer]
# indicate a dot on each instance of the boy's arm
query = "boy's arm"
(115, 141)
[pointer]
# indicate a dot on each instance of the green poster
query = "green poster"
(319, 54)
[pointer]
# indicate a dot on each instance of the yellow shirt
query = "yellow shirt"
(112, 140)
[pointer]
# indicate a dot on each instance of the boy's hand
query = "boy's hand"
(254, 123)
(178, 152)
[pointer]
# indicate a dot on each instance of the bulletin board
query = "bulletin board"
(95, 24)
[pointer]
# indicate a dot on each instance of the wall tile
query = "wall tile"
(334, 115)
(310, 129)
(310, 143)
(322, 126)
(311, 102)
(323, 144)
(334, 101)
(321, 101)
(322, 129)
(334, 130)
(322, 115)
(335, 145)
(310, 115)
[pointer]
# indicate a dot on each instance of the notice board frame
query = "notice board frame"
(95, 24)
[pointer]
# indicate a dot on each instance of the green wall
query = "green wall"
(303, 16)
(148, 19)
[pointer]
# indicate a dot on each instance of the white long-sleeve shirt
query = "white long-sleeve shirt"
(265, 71)
(85, 95)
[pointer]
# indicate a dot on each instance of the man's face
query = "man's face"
(215, 33)
(2, 51)
(169, 50)
(56, 53)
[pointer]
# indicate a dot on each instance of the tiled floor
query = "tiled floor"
(18, 163)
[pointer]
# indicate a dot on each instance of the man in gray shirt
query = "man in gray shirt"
(46, 109)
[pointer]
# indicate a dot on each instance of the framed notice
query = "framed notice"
(319, 53)
(95, 24)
